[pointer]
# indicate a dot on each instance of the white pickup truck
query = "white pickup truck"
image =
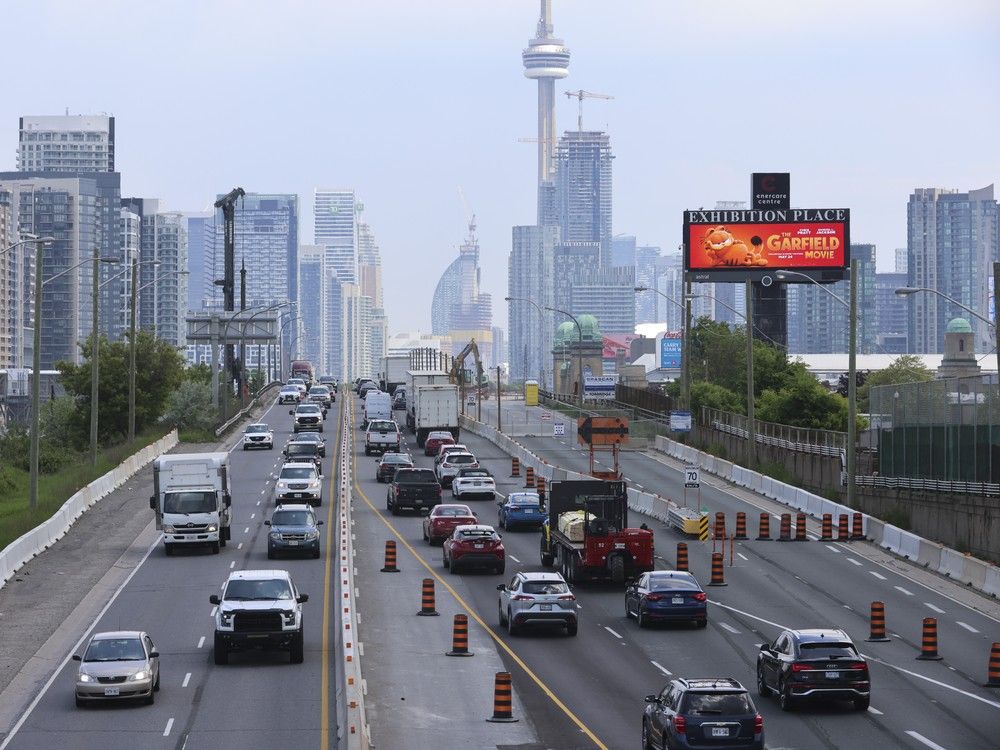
(382, 435)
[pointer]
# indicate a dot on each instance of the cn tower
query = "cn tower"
(545, 60)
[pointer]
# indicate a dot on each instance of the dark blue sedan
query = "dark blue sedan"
(666, 596)
(520, 509)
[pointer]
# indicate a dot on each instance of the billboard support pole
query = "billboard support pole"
(852, 389)
(751, 419)
(996, 313)
(685, 349)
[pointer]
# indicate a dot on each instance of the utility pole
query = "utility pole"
(131, 349)
(95, 348)
(686, 349)
(228, 205)
(498, 399)
(996, 315)
(852, 389)
(751, 419)
(36, 377)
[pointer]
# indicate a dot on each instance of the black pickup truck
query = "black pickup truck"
(413, 488)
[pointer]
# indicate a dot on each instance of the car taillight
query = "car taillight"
(523, 598)
(700, 596)
(680, 724)
(567, 598)
(758, 724)
(858, 665)
(653, 597)
(799, 667)
(439, 490)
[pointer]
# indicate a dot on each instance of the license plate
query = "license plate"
(677, 600)
(832, 675)
(111, 691)
(293, 543)
(477, 484)
(478, 546)
(545, 607)
(720, 732)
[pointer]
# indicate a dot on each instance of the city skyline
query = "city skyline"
(859, 148)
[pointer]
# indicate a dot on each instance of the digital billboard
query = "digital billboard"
(670, 353)
(733, 245)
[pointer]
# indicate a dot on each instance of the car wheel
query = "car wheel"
(216, 547)
(646, 744)
(500, 521)
(571, 629)
(511, 628)
(150, 699)
(221, 652)
(640, 618)
(762, 689)
(453, 567)
(296, 650)
(444, 561)
(270, 554)
(316, 555)
(702, 623)
(156, 685)
(500, 568)
(784, 698)
(244, 447)
(861, 704)
(500, 617)
(321, 428)
(628, 612)
(168, 549)
(423, 533)
(80, 702)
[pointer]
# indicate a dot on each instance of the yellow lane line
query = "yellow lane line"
(324, 692)
(472, 612)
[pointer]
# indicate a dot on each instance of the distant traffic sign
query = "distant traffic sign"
(601, 430)
(546, 416)
(680, 420)
(692, 477)
(559, 428)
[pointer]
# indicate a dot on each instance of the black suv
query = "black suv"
(702, 713)
(802, 664)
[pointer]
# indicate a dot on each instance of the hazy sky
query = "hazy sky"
(406, 100)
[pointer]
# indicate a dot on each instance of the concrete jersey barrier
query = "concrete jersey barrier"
(43, 536)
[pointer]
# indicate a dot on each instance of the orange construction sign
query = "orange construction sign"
(601, 430)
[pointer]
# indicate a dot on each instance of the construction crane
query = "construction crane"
(470, 213)
(228, 283)
(580, 95)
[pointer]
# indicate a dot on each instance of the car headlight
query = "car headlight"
(168, 529)
(312, 534)
(142, 674)
(314, 484)
(289, 618)
(225, 619)
(212, 527)
(275, 535)
(282, 485)
(86, 678)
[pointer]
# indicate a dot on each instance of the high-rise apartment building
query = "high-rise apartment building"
(530, 277)
(571, 260)
(583, 189)
(130, 226)
(623, 250)
(646, 258)
(9, 262)
(891, 314)
(314, 306)
(609, 295)
(670, 285)
(952, 239)
(201, 237)
(820, 324)
(902, 264)
(66, 143)
(459, 309)
(267, 242)
(335, 215)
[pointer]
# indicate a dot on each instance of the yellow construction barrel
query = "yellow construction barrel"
(531, 393)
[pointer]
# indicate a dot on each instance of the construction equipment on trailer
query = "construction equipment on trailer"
(603, 433)
(586, 534)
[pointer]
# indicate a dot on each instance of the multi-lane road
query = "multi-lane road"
(259, 700)
(587, 691)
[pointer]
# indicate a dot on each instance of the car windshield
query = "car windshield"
(297, 472)
(416, 475)
(296, 381)
(257, 428)
(289, 389)
(309, 437)
(825, 650)
(293, 518)
(243, 590)
(544, 587)
(455, 510)
(189, 502)
(308, 409)
(716, 703)
(461, 459)
(115, 649)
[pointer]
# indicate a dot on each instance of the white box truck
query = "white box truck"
(192, 499)
(416, 378)
(436, 409)
(394, 372)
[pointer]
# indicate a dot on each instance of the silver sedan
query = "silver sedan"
(119, 665)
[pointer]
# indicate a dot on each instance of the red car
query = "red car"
(474, 546)
(435, 440)
(443, 519)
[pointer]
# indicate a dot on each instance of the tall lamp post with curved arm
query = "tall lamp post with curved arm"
(281, 333)
(852, 372)
(243, 346)
(541, 326)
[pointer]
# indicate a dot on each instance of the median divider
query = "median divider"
(27, 546)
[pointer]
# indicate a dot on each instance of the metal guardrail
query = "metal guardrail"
(243, 413)
(820, 450)
(930, 485)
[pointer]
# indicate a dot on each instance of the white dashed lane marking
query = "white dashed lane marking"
(170, 725)
(901, 590)
(832, 548)
(728, 627)
(187, 679)
(874, 711)
(920, 738)
(616, 635)
(877, 575)
(742, 556)
(852, 561)
(967, 627)
(513, 558)
(934, 608)
(201, 641)
(662, 668)
(232, 565)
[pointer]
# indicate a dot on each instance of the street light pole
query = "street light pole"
(541, 328)
(686, 349)
(131, 349)
(36, 376)
(751, 405)
(95, 348)
(579, 356)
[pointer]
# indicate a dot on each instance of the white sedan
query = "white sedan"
(472, 483)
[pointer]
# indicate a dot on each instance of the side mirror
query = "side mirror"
(292, 412)
(321, 476)
(303, 598)
(152, 502)
(214, 599)
(154, 654)
(501, 586)
(319, 523)
(267, 523)
(285, 452)
(652, 699)
(77, 657)
(228, 500)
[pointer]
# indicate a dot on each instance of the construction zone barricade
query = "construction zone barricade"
(843, 535)
(764, 528)
(390, 557)
(719, 532)
(515, 466)
(993, 667)
(427, 606)
(741, 526)
(687, 520)
(682, 556)
(800, 527)
(540, 487)
(827, 534)
(503, 699)
(929, 641)
(718, 570)
(703, 528)
(877, 628)
(785, 530)
(857, 528)
(460, 637)
(529, 478)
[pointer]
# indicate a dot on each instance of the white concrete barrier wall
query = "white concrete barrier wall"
(43, 536)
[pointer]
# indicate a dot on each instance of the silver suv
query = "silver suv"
(298, 480)
(537, 599)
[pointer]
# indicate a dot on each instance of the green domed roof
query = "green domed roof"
(565, 333)
(958, 325)
(591, 331)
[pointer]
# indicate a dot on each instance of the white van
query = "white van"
(378, 405)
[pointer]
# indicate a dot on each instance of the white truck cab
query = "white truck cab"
(192, 499)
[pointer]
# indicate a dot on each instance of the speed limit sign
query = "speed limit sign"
(692, 479)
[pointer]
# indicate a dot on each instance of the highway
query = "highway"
(259, 700)
(587, 691)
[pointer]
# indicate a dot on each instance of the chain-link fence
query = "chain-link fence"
(947, 430)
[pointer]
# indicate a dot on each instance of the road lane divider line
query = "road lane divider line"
(246, 530)
(875, 711)
(232, 565)
(662, 668)
(877, 575)
(513, 558)
(324, 719)
(239, 546)
(742, 556)
(832, 548)
(901, 590)
(201, 641)
(730, 628)
(187, 679)
(934, 607)
(852, 561)
(920, 738)
(474, 614)
(212, 613)
(616, 635)
(966, 626)
(170, 725)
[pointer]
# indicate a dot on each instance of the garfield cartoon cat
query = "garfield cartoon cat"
(725, 250)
